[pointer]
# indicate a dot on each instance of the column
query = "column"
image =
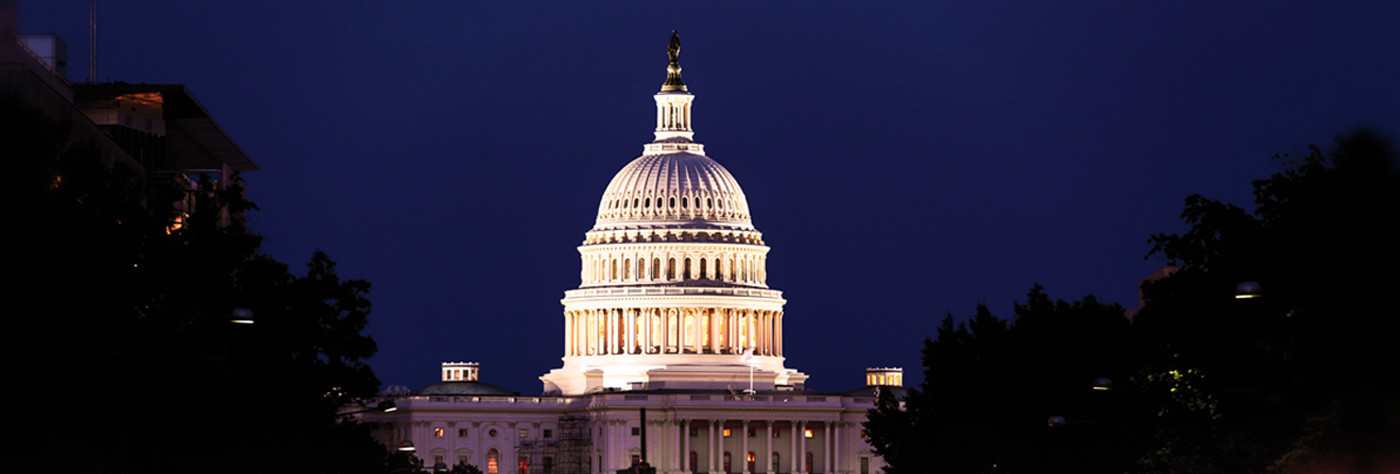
(568, 333)
(796, 451)
(802, 449)
(715, 427)
(685, 445)
(836, 448)
(631, 322)
(715, 319)
(826, 440)
(768, 449)
(744, 454)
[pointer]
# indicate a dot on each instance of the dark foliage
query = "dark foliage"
(1295, 380)
(128, 346)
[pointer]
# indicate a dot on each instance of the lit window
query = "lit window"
(524, 432)
(437, 432)
(807, 433)
(726, 432)
(493, 462)
(775, 433)
(524, 465)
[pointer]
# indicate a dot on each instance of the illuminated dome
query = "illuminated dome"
(677, 189)
(673, 289)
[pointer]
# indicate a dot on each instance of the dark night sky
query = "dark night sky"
(903, 160)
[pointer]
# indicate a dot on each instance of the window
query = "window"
(673, 202)
(524, 465)
(750, 460)
(693, 461)
(548, 433)
(524, 432)
(775, 433)
(726, 432)
(864, 434)
(437, 459)
(647, 203)
(864, 465)
(694, 432)
(461, 432)
(437, 432)
(774, 467)
(462, 460)
(636, 459)
(726, 461)
(493, 461)
(548, 464)
(636, 431)
(752, 432)
(683, 202)
(491, 433)
(807, 433)
(809, 461)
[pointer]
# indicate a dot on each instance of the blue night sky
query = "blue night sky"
(903, 160)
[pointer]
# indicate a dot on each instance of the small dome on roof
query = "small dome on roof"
(464, 388)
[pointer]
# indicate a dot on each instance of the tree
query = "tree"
(126, 324)
(1283, 381)
(991, 385)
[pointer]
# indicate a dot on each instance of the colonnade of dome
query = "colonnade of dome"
(675, 330)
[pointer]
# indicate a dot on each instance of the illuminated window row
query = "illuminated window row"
(642, 267)
(702, 205)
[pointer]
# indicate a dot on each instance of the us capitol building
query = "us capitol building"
(674, 321)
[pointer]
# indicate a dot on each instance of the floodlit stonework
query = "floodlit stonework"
(673, 316)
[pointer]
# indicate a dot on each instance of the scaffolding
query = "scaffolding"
(568, 452)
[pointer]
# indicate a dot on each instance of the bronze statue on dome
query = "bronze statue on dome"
(674, 49)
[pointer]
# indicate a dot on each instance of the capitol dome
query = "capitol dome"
(673, 290)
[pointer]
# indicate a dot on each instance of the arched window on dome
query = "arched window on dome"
(647, 203)
(614, 270)
(624, 204)
(687, 269)
(655, 268)
(627, 269)
(673, 202)
(641, 268)
(716, 267)
(671, 268)
(672, 334)
(730, 273)
(635, 201)
(709, 203)
(702, 269)
(683, 202)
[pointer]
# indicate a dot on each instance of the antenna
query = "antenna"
(92, 41)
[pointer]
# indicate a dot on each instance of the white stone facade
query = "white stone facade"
(673, 315)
